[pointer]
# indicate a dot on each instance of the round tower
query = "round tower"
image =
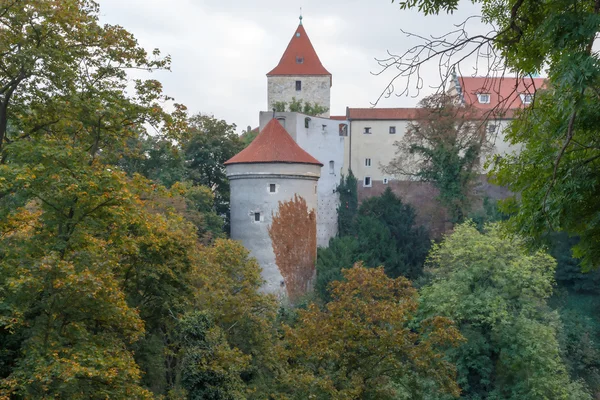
(272, 170)
(299, 75)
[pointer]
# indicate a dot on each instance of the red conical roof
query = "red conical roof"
(300, 57)
(273, 145)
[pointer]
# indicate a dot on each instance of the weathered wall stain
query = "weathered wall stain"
(294, 237)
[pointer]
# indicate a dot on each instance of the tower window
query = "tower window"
(331, 167)
(526, 98)
(386, 181)
(367, 181)
(367, 131)
(299, 60)
(272, 188)
(307, 122)
(256, 217)
(298, 86)
(483, 98)
(392, 129)
(367, 162)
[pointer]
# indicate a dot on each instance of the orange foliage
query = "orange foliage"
(294, 236)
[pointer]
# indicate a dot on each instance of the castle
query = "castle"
(297, 156)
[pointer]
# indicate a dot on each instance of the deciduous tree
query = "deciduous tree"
(444, 145)
(364, 344)
(293, 233)
(495, 290)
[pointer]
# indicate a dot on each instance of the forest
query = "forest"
(118, 280)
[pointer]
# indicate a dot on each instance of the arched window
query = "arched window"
(281, 121)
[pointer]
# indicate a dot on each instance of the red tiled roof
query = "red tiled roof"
(273, 145)
(504, 91)
(382, 113)
(338, 117)
(300, 48)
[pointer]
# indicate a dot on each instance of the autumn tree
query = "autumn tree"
(444, 145)
(87, 267)
(496, 291)
(366, 344)
(293, 233)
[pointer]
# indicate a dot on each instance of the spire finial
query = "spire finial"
(300, 15)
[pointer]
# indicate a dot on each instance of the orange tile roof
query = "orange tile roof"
(338, 117)
(300, 48)
(273, 145)
(382, 113)
(505, 92)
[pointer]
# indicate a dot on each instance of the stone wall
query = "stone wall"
(315, 89)
(422, 196)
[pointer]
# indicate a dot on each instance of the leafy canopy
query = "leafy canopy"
(496, 290)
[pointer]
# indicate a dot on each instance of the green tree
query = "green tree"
(382, 233)
(248, 136)
(496, 291)
(209, 143)
(363, 344)
(210, 367)
(340, 253)
(348, 208)
(410, 240)
(444, 146)
(156, 158)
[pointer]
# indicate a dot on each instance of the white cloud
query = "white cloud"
(222, 49)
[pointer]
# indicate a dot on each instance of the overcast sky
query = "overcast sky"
(222, 49)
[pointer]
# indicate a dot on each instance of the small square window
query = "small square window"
(367, 130)
(483, 98)
(256, 217)
(298, 86)
(392, 130)
(367, 162)
(526, 98)
(272, 187)
(385, 181)
(491, 128)
(299, 60)
(367, 181)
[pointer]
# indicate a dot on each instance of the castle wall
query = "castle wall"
(250, 194)
(322, 140)
(315, 89)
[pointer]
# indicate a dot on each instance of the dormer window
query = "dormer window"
(483, 98)
(299, 60)
(526, 98)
